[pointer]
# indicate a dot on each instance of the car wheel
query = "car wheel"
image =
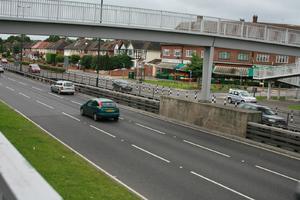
(81, 112)
(116, 119)
(229, 100)
(95, 117)
(58, 92)
(242, 101)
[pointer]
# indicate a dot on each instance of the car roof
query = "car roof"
(256, 105)
(238, 90)
(103, 100)
(62, 81)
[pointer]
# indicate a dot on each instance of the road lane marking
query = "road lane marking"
(151, 129)
(55, 95)
(208, 149)
(11, 79)
(71, 116)
(11, 89)
(22, 83)
(24, 95)
(102, 131)
(277, 173)
(152, 154)
(44, 104)
(221, 185)
(37, 88)
(79, 154)
(76, 102)
(121, 118)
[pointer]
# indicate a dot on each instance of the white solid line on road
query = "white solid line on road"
(121, 118)
(11, 89)
(208, 149)
(71, 116)
(24, 95)
(11, 79)
(102, 131)
(277, 173)
(151, 129)
(223, 186)
(37, 88)
(44, 104)
(22, 83)
(76, 102)
(55, 95)
(79, 154)
(152, 154)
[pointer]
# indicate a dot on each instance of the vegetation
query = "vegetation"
(51, 58)
(196, 66)
(59, 58)
(71, 176)
(53, 38)
(74, 59)
(294, 107)
(174, 84)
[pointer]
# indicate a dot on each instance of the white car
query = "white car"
(63, 87)
(240, 96)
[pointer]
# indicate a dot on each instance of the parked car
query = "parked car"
(240, 96)
(121, 85)
(100, 108)
(1, 69)
(34, 68)
(268, 116)
(4, 61)
(63, 87)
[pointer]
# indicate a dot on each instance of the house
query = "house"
(106, 48)
(40, 48)
(79, 47)
(57, 47)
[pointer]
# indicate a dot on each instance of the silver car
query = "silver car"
(63, 87)
(240, 96)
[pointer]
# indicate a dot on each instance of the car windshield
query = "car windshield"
(35, 67)
(245, 94)
(68, 84)
(266, 111)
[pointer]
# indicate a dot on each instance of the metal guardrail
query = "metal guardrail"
(18, 179)
(295, 81)
(276, 72)
(274, 136)
(92, 13)
(141, 103)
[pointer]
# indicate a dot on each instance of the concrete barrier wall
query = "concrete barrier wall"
(220, 118)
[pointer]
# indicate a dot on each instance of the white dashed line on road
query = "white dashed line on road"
(152, 154)
(76, 102)
(221, 185)
(121, 118)
(151, 129)
(11, 89)
(22, 83)
(71, 116)
(55, 95)
(46, 105)
(37, 88)
(11, 79)
(102, 131)
(205, 148)
(24, 95)
(277, 173)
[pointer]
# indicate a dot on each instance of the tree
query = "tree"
(59, 59)
(196, 66)
(74, 59)
(23, 38)
(50, 58)
(86, 61)
(53, 38)
(16, 48)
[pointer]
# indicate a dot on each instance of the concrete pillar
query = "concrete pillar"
(269, 90)
(206, 73)
(297, 93)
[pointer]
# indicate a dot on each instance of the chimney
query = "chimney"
(255, 18)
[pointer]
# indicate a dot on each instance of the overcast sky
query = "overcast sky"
(275, 11)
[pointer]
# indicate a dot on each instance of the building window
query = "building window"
(166, 52)
(224, 55)
(262, 58)
(177, 53)
(243, 56)
(282, 59)
(189, 53)
(130, 52)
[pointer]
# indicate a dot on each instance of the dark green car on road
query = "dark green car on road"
(100, 108)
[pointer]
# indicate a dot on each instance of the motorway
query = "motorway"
(158, 159)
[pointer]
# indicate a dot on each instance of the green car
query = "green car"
(100, 108)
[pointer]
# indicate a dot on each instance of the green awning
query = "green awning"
(179, 66)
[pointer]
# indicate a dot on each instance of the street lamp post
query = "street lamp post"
(21, 56)
(99, 47)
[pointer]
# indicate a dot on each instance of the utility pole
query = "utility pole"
(21, 56)
(99, 47)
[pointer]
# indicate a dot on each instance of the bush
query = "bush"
(59, 59)
(74, 59)
(86, 61)
(50, 58)
(53, 69)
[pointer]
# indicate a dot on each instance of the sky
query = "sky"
(274, 11)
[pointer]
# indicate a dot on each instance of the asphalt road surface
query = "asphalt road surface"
(158, 159)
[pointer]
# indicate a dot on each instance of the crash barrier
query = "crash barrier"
(141, 103)
(274, 136)
(18, 179)
(121, 98)
(214, 117)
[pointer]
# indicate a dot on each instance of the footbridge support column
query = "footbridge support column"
(206, 73)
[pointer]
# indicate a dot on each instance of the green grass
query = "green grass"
(294, 107)
(263, 98)
(71, 176)
(174, 84)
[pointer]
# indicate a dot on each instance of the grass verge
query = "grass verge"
(174, 84)
(71, 176)
(294, 107)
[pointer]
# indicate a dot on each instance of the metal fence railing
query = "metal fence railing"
(273, 72)
(62, 11)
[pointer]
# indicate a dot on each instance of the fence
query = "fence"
(274, 136)
(275, 72)
(91, 13)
